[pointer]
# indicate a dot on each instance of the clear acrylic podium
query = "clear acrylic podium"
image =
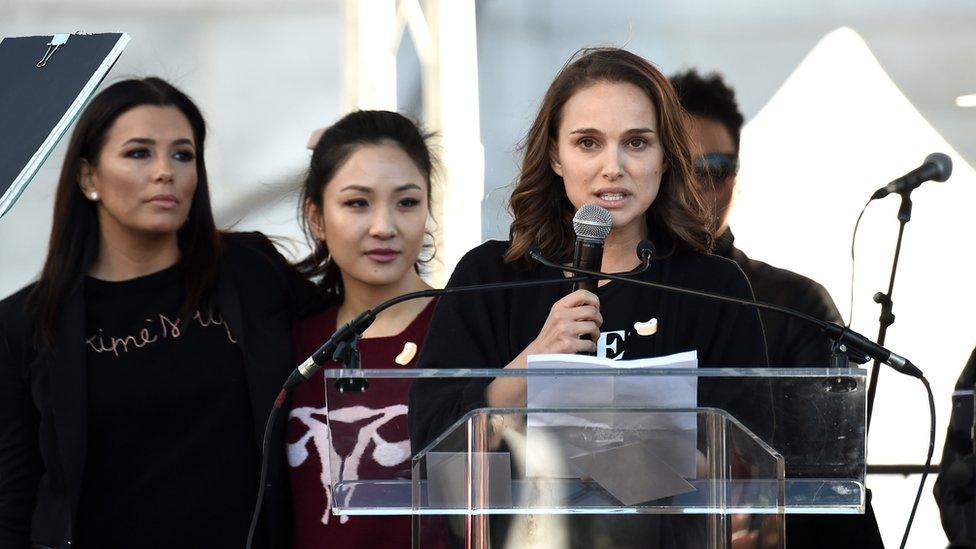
(757, 444)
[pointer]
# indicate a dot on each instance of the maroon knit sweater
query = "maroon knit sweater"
(369, 438)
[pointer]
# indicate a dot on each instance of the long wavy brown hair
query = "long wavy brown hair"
(543, 213)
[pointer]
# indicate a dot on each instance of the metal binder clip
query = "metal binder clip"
(56, 42)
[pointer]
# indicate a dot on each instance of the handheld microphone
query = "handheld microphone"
(937, 167)
(592, 225)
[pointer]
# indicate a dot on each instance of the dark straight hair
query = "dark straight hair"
(73, 246)
(338, 142)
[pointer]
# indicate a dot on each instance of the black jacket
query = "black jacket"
(955, 488)
(789, 341)
(43, 406)
(792, 342)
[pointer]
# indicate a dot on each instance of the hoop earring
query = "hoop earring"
(428, 250)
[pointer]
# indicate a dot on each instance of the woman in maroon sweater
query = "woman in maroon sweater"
(366, 207)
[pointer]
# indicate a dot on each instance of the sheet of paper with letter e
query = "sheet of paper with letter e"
(45, 82)
(554, 437)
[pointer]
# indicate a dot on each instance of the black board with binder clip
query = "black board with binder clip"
(45, 82)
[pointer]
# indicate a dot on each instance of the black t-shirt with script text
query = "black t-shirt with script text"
(171, 456)
(489, 329)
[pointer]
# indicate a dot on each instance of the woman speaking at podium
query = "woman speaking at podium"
(137, 373)
(609, 132)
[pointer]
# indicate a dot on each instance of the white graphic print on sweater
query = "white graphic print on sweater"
(387, 454)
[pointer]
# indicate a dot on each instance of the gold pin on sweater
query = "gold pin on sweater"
(407, 354)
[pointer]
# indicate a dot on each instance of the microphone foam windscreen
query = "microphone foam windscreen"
(943, 164)
(592, 222)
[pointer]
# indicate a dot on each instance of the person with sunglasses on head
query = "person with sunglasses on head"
(715, 126)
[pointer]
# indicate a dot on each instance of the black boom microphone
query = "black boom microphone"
(847, 338)
(937, 167)
(355, 327)
(848, 341)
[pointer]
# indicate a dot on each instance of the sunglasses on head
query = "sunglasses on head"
(716, 167)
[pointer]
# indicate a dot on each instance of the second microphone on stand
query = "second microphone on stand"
(937, 167)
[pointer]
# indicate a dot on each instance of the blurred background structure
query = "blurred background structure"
(840, 98)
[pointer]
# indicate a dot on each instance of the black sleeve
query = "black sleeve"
(735, 333)
(955, 497)
(301, 296)
(735, 339)
(466, 331)
(20, 461)
(811, 346)
(818, 303)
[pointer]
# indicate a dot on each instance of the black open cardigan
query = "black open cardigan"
(43, 399)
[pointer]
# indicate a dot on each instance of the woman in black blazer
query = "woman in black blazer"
(137, 372)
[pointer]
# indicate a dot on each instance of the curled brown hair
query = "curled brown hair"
(543, 213)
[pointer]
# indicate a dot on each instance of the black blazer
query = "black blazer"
(789, 341)
(43, 398)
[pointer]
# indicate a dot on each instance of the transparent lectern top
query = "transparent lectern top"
(756, 440)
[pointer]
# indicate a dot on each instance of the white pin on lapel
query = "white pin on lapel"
(407, 354)
(646, 328)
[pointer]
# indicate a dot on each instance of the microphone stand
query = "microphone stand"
(887, 318)
(348, 354)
